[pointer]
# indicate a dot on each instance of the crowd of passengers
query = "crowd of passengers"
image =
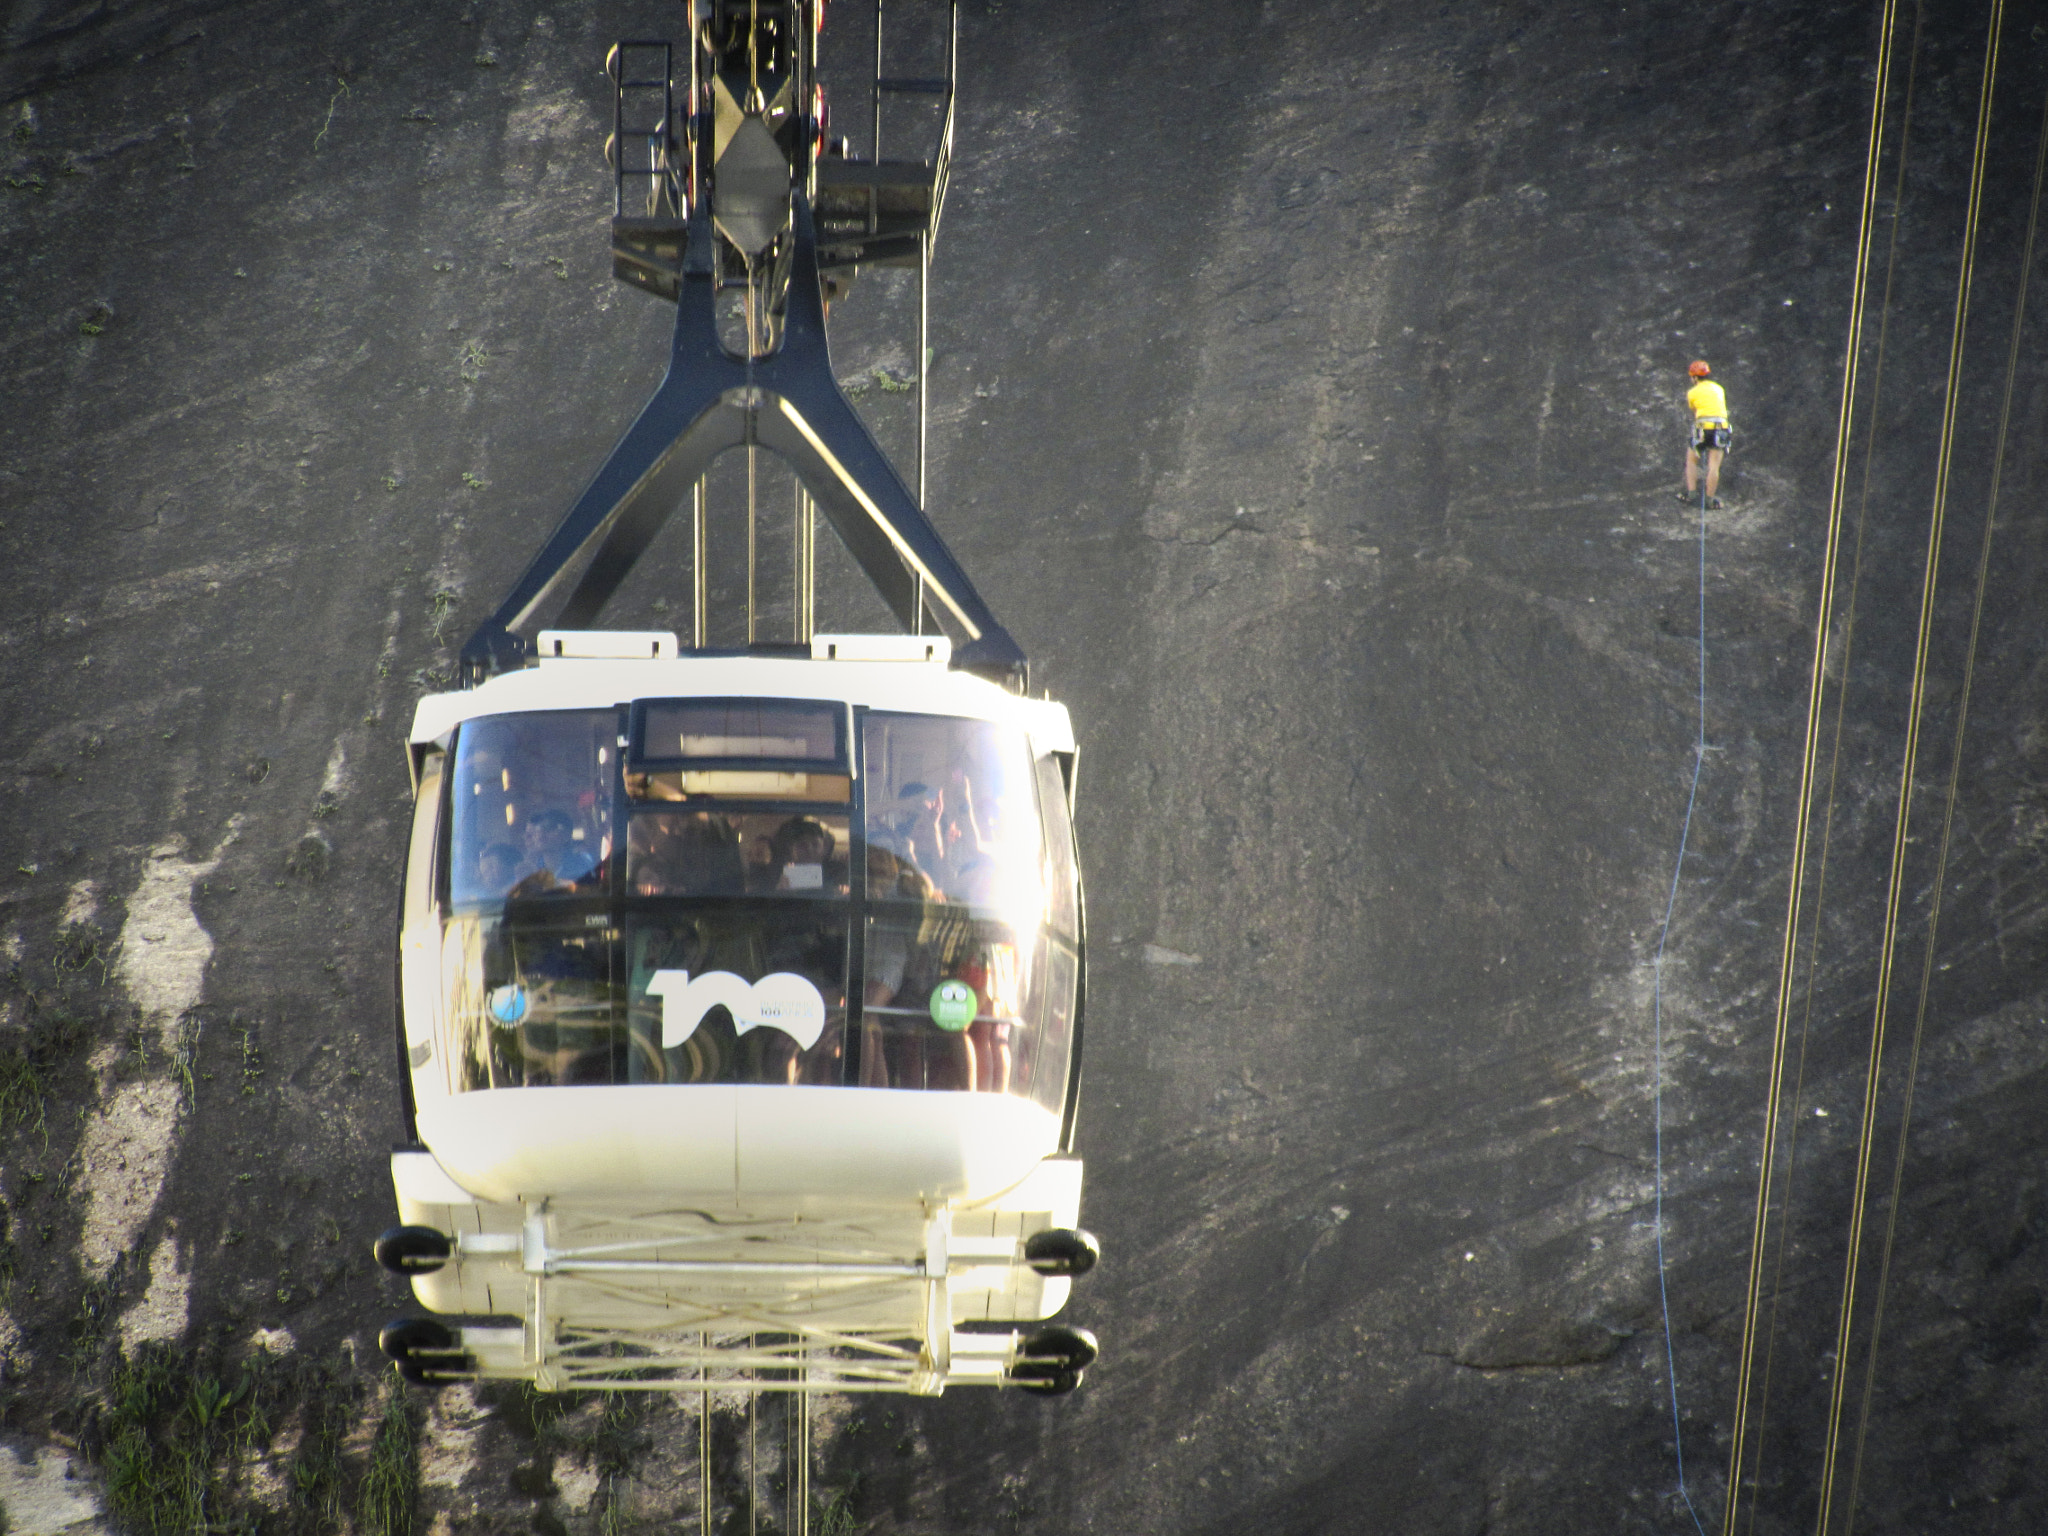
(918, 849)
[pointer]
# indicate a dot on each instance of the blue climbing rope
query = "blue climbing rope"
(1699, 758)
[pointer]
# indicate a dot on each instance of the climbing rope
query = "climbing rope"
(1699, 758)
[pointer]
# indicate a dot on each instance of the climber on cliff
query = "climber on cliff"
(1710, 434)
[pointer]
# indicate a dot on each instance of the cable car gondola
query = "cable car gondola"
(741, 992)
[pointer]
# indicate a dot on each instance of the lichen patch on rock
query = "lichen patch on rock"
(45, 1494)
(83, 903)
(163, 1310)
(127, 1147)
(164, 950)
(448, 1451)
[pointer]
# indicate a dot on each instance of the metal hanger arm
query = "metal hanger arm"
(809, 422)
(789, 403)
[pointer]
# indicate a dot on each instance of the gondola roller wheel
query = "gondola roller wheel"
(425, 1351)
(1053, 1361)
(1062, 1251)
(413, 1250)
(416, 1340)
(1058, 1381)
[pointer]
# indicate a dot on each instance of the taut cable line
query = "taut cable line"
(1838, 660)
(1895, 885)
(1739, 1426)
(1955, 770)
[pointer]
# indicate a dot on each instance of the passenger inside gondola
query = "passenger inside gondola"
(497, 867)
(940, 796)
(801, 859)
(684, 853)
(908, 829)
(903, 1043)
(891, 878)
(534, 792)
(969, 851)
(967, 915)
(556, 859)
(739, 853)
(935, 830)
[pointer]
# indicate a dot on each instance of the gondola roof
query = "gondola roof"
(584, 683)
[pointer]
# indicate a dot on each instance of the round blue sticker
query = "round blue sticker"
(508, 1004)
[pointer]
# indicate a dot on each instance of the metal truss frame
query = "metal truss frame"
(787, 402)
(818, 1334)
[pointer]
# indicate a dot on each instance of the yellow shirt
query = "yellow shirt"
(1706, 401)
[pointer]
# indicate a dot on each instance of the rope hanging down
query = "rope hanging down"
(1699, 758)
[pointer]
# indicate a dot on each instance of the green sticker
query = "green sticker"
(953, 1005)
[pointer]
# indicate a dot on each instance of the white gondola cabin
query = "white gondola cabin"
(740, 1001)
(741, 994)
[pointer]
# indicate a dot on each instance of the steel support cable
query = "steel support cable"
(752, 305)
(704, 1521)
(1955, 771)
(1895, 884)
(1838, 662)
(1767, 1156)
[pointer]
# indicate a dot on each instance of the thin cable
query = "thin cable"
(1837, 661)
(1955, 773)
(704, 1442)
(924, 353)
(803, 1465)
(1822, 627)
(751, 310)
(1895, 885)
(1699, 758)
(700, 601)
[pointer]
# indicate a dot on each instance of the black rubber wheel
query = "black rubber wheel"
(1073, 1349)
(416, 1341)
(1062, 1251)
(413, 1250)
(438, 1375)
(1059, 1384)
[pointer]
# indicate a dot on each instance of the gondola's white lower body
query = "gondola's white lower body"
(738, 1237)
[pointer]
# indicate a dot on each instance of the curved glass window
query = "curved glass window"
(755, 891)
(531, 999)
(531, 813)
(745, 991)
(952, 814)
(731, 852)
(1062, 878)
(963, 987)
(958, 1002)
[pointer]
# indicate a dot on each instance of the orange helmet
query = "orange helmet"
(1698, 370)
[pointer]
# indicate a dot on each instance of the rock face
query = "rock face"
(1305, 398)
